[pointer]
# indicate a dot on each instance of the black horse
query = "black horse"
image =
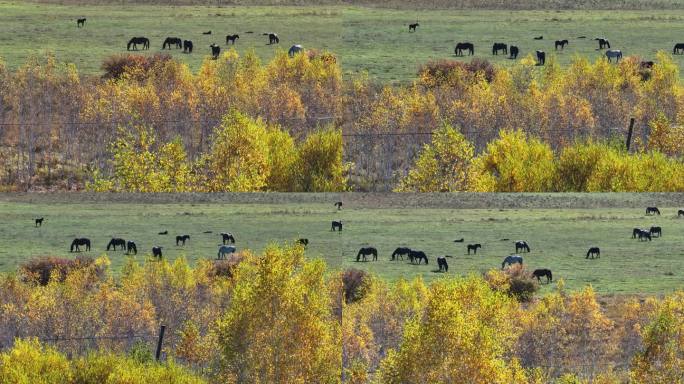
(652, 210)
(187, 46)
(594, 252)
(417, 256)
(561, 44)
(336, 225)
(114, 242)
(521, 245)
(680, 213)
(338, 205)
(412, 27)
(678, 49)
(363, 252)
(206, 33)
(603, 42)
(400, 252)
(539, 38)
(539, 273)
(644, 235)
(78, 242)
(131, 248)
(514, 51)
(39, 222)
(499, 47)
(215, 51)
(172, 41)
(80, 22)
(460, 47)
(303, 242)
(227, 237)
(182, 239)
(656, 231)
(157, 252)
(272, 38)
(473, 247)
(635, 232)
(442, 263)
(231, 39)
(459, 240)
(163, 233)
(541, 58)
(138, 40)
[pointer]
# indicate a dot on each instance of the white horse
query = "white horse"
(295, 49)
(614, 53)
(224, 250)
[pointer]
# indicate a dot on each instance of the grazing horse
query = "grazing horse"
(678, 49)
(412, 27)
(336, 225)
(206, 33)
(539, 38)
(231, 39)
(512, 259)
(39, 222)
(539, 273)
(169, 41)
(138, 40)
(417, 255)
(303, 242)
(224, 250)
(603, 42)
(187, 46)
(614, 54)
(460, 47)
(521, 245)
(295, 49)
(272, 38)
(514, 51)
(400, 252)
(80, 22)
(656, 231)
(474, 248)
(157, 252)
(114, 242)
(652, 210)
(680, 213)
(561, 44)
(228, 237)
(442, 263)
(131, 248)
(182, 239)
(644, 235)
(163, 233)
(499, 47)
(594, 252)
(78, 242)
(338, 205)
(541, 57)
(363, 252)
(215, 51)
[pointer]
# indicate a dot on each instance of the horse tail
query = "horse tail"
(550, 275)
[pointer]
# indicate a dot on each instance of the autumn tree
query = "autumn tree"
(442, 166)
(279, 327)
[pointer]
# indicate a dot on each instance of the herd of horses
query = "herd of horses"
(514, 50)
(414, 256)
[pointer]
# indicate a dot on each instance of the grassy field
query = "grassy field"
(559, 229)
(366, 39)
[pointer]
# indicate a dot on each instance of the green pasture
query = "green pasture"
(559, 237)
(365, 39)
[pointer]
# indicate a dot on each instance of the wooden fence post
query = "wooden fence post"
(629, 133)
(159, 342)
